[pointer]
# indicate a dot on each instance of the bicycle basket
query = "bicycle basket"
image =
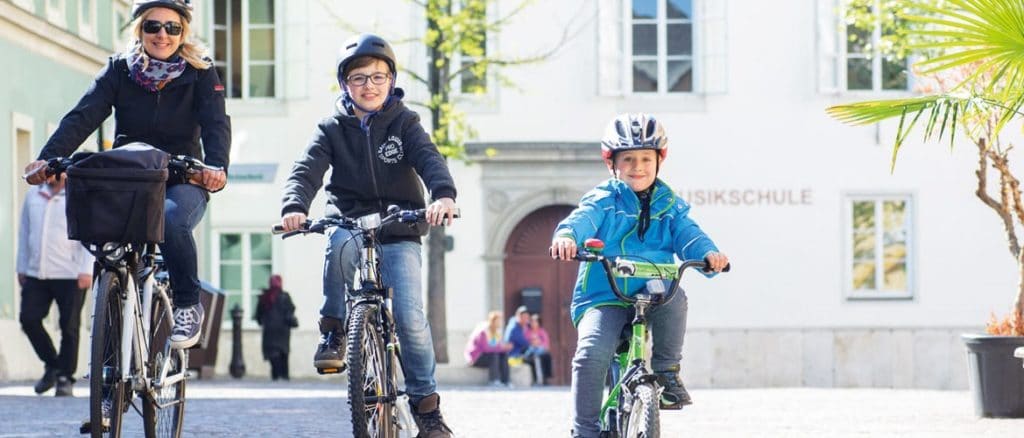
(117, 195)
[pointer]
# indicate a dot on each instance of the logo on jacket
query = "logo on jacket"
(391, 150)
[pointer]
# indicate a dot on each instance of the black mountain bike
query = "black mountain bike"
(379, 408)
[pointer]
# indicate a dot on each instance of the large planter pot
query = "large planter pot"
(995, 376)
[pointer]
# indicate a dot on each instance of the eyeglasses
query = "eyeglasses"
(360, 80)
(173, 28)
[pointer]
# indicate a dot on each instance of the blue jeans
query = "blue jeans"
(599, 331)
(183, 209)
(400, 269)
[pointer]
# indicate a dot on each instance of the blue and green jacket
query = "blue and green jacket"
(610, 212)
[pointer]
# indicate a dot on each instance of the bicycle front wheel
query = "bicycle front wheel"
(642, 420)
(107, 392)
(373, 406)
(163, 409)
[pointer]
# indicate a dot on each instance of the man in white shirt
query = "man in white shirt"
(51, 268)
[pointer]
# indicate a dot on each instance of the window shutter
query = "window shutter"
(610, 51)
(714, 72)
(828, 46)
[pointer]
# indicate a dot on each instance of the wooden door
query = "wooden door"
(527, 265)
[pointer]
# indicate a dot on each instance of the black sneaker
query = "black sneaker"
(330, 351)
(674, 395)
(64, 386)
(47, 381)
(188, 324)
(427, 414)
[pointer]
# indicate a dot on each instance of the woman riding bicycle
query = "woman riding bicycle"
(379, 153)
(637, 214)
(164, 92)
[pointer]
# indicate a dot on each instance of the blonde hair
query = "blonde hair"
(194, 53)
(494, 325)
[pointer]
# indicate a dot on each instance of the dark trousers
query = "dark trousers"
(496, 364)
(279, 366)
(36, 297)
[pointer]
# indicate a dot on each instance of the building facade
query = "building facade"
(844, 274)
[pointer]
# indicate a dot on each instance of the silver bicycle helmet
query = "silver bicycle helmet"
(634, 132)
(182, 7)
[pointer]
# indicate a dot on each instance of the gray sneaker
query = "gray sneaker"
(188, 324)
(674, 396)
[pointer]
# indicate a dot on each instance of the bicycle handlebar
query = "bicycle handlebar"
(395, 214)
(617, 264)
(191, 166)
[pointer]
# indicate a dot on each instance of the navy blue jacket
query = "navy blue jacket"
(372, 169)
(173, 119)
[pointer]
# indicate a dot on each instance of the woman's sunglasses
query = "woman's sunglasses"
(173, 28)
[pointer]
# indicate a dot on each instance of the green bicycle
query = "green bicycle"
(630, 408)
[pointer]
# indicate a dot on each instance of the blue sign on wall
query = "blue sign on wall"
(252, 173)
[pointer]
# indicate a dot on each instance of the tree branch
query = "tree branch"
(1000, 209)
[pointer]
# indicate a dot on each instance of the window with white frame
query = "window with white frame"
(244, 263)
(55, 12)
(87, 19)
(879, 245)
(473, 78)
(244, 47)
(865, 65)
(661, 49)
(850, 58)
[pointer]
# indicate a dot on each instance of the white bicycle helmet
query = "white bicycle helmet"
(634, 132)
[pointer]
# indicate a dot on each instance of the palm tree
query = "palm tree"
(977, 71)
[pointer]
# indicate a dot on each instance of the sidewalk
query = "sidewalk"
(318, 408)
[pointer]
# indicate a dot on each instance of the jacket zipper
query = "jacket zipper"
(156, 109)
(373, 174)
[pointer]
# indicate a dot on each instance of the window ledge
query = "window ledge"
(262, 107)
(863, 295)
(662, 103)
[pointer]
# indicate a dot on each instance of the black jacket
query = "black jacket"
(173, 119)
(372, 169)
(278, 320)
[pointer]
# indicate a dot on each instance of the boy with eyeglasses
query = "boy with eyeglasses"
(380, 156)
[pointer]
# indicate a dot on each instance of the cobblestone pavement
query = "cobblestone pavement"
(250, 407)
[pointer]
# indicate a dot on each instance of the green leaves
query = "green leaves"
(978, 63)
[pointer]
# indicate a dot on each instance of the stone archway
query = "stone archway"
(528, 267)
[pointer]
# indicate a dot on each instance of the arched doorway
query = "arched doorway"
(528, 268)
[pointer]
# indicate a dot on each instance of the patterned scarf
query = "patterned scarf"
(156, 72)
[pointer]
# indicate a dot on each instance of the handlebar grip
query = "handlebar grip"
(279, 229)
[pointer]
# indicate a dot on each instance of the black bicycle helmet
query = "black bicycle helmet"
(634, 132)
(365, 45)
(182, 7)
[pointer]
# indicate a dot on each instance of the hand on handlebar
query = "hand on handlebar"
(212, 180)
(441, 211)
(35, 173)
(293, 221)
(563, 248)
(716, 261)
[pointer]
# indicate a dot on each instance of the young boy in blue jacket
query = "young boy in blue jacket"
(633, 213)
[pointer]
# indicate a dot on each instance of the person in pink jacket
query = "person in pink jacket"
(486, 349)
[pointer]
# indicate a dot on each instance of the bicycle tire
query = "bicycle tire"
(104, 365)
(643, 420)
(372, 412)
(163, 422)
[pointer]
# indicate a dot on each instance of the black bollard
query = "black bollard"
(237, 367)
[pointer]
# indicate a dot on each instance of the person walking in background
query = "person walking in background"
(276, 314)
(486, 349)
(538, 354)
(50, 269)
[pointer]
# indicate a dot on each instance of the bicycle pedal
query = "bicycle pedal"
(323, 371)
(86, 428)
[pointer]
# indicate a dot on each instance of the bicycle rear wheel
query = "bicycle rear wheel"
(642, 420)
(373, 407)
(163, 410)
(107, 392)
